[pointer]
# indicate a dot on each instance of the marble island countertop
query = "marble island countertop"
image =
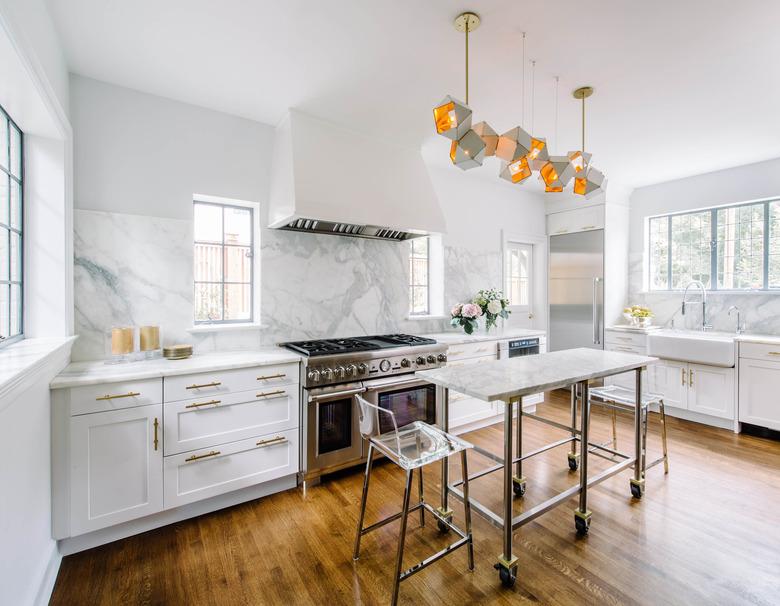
(96, 372)
(516, 377)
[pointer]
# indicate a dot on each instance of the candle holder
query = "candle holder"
(150, 342)
(120, 344)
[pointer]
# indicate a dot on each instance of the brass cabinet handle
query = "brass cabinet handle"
(212, 384)
(588, 227)
(561, 231)
(156, 425)
(682, 375)
(265, 394)
(690, 378)
(281, 375)
(213, 453)
(276, 440)
(774, 353)
(623, 338)
(199, 404)
(129, 394)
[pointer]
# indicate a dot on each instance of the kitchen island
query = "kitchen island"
(509, 381)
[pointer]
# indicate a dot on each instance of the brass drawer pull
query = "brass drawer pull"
(213, 453)
(561, 231)
(456, 353)
(156, 426)
(774, 353)
(588, 227)
(129, 394)
(212, 384)
(265, 394)
(276, 440)
(623, 338)
(690, 378)
(199, 404)
(281, 375)
(682, 375)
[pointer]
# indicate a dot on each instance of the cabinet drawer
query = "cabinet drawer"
(115, 396)
(641, 350)
(759, 351)
(581, 219)
(187, 387)
(204, 422)
(472, 350)
(619, 337)
(206, 473)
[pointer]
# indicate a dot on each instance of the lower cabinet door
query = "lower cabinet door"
(759, 386)
(199, 474)
(670, 379)
(116, 467)
(711, 390)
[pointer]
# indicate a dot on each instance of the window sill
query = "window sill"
(206, 328)
(428, 317)
(22, 361)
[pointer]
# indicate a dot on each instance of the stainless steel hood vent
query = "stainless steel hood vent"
(326, 179)
(346, 229)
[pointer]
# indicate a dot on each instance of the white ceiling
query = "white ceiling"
(682, 87)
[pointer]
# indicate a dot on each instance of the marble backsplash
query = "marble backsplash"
(137, 269)
(760, 312)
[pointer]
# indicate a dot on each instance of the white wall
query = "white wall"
(740, 184)
(139, 160)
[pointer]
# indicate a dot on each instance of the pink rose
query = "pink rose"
(471, 311)
(455, 311)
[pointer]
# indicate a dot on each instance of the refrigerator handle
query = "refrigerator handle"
(596, 327)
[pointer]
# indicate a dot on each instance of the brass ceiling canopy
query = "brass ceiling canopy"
(467, 22)
(583, 92)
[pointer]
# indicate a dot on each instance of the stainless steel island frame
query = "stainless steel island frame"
(508, 381)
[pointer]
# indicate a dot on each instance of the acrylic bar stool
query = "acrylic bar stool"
(412, 447)
(615, 397)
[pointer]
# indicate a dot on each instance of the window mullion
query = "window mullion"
(669, 253)
(714, 249)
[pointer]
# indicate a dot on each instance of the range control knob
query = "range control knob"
(384, 365)
(405, 363)
(362, 368)
(431, 359)
(420, 360)
(352, 370)
(313, 375)
(340, 372)
(442, 357)
(327, 373)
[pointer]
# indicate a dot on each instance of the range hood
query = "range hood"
(326, 179)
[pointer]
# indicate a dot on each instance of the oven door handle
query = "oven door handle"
(335, 395)
(378, 385)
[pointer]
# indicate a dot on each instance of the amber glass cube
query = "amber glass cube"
(445, 117)
(519, 171)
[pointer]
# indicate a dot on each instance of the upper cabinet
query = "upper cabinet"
(580, 219)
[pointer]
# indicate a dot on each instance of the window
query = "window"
(11, 203)
(419, 266)
(727, 248)
(224, 263)
(518, 263)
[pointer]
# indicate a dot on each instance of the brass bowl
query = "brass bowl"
(177, 352)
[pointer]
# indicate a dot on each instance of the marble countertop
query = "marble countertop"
(629, 328)
(96, 372)
(460, 337)
(19, 359)
(515, 377)
(764, 339)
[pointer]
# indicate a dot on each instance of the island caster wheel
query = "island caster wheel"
(573, 463)
(582, 525)
(507, 576)
(443, 528)
(636, 490)
(519, 489)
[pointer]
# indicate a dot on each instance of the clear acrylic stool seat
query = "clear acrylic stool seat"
(411, 447)
(615, 397)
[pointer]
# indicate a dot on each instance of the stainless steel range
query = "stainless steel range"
(381, 369)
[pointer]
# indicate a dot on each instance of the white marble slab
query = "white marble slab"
(761, 339)
(515, 377)
(629, 328)
(20, 359)
(458, 338)
(93, 373)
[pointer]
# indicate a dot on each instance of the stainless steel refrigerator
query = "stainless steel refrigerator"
(576, 290)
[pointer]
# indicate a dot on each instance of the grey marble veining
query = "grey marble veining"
(515, 377)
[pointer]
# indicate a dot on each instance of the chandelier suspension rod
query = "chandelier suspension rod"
(522, 93)
(467, 60)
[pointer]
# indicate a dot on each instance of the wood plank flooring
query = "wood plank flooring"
(708, 533)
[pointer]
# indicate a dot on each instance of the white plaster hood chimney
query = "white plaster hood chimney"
(327, 179)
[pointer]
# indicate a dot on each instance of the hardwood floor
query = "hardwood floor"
(708, 533)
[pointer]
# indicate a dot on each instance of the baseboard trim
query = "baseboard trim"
(697, 417)
(46, 586)
(120, 531)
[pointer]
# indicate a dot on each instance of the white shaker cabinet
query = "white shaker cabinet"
(670, 379)
(759, 391)
(711, 390)
(116, 467)
(580, 219)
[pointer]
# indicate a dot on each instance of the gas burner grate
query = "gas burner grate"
(355, 344)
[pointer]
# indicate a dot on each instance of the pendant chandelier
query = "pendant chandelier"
(520, 152)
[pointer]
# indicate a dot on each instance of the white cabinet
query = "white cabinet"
(711, 390)
(670, 379)
(116, 467)
(759, 386)
(580, 219)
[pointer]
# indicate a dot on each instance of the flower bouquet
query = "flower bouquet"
(465, 315)
(638, 315)
(489, 303)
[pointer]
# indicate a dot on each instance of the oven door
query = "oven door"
(410, 398)
(332, 426)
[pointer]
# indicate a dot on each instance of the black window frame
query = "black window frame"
(713, 247)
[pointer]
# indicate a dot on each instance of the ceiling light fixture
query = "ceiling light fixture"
(588, 181)
(453, 118)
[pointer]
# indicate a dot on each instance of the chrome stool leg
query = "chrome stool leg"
(467, 507)
(422, 499)
(402, 537)
(572, 455)
(364, 498)
(645, 420)
(662, 410)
